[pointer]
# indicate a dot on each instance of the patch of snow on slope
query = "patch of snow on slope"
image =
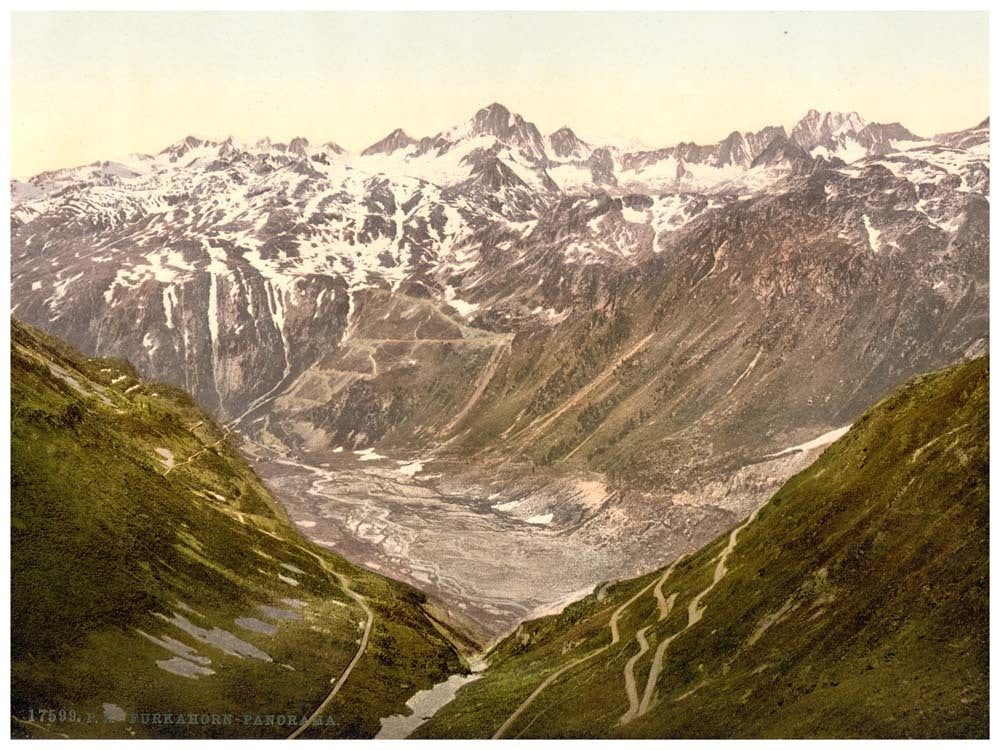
(410, 469)
(571, 177)
(423, 705)
(631, 215)
(825, 439)
(873, 234)
(169, 302)
(463, 307)
(506, 506)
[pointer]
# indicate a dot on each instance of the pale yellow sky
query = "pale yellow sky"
(89, 86)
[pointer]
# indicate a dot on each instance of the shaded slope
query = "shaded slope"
(854, 604)
(152, 572)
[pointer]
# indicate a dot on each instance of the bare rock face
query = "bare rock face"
(879, 138)
(509, 128)
(602, 167)
(565, 144)
(967, 139)
(782, 151)
(393, 142)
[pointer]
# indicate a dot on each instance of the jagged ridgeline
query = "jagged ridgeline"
(853, 604)
(156, 584)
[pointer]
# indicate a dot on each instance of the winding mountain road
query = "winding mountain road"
(357, 655)
(615, 638)
(193, 456)
(629, 672)
(666, 605)
(695, 613)
(637, 706)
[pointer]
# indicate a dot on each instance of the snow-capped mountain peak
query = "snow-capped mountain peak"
(500, 152)
(831, 134)
(509, 129)
(816, 128)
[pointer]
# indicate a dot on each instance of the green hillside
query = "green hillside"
(154, 577)
(853, 604)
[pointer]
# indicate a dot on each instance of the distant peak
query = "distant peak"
(495, 107)
(816, 128)
(894, 130)
(781, 151)
(186, 144)
(494, 119)
(565, 144)
(831, 115)
(396, 140)
(298, 145)
(495, 113)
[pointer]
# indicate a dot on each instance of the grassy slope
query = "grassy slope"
(102, 541)
(854, 605)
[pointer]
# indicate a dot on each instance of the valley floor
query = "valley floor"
(462, 545)
(494, 545)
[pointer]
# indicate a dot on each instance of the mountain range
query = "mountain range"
(640, 341)
(498, 392)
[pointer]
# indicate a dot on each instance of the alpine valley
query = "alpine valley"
(512, 402)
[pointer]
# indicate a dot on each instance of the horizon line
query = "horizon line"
(589, 139)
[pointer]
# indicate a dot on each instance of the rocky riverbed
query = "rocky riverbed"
(494, 546)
